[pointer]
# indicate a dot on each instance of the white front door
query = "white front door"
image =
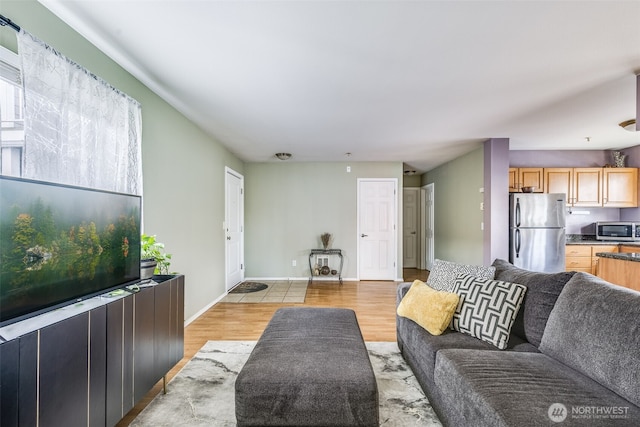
(234, 228)
(377, 236)
(410, 209)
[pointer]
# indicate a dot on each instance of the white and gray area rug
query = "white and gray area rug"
(202, 394)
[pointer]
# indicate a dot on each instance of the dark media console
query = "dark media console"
(89, 363)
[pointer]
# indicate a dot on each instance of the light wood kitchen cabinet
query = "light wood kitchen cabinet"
(587, 187)
(620, 187)
(621, 272)
(513, 180)
(526, 177)
(559, 180)
(583, 186)
(583, 257)
(629, 249)
(595, 260)
(578, 258)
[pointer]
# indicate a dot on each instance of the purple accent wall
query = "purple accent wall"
(496, 200)
(633, 160)
(560, 158)
(585, 224)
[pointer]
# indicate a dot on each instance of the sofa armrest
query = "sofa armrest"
(401, 291)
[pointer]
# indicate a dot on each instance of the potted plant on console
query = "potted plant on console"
(153, 258)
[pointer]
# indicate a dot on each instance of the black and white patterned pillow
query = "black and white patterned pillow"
(487, 308)
(443, 274)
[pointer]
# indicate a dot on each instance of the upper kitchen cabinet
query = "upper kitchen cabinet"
(587, 187)
(583, 186)
(526, 177)
(559, 180)
(620, 187)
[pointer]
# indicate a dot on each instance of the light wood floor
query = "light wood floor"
(373, 302)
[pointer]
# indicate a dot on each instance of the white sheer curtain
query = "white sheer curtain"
(78, 129)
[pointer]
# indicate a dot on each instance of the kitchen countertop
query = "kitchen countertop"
(621, 256)
(585, 239)
(602, 243)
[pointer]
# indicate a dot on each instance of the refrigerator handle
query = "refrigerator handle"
(517, 243)
(517, 219)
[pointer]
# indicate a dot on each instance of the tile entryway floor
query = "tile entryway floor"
(279, 291)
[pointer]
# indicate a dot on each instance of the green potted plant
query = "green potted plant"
(153, 258)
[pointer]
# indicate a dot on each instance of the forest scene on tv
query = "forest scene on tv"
(60, 243)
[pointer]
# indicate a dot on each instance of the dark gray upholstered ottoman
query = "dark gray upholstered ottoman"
(309, 368)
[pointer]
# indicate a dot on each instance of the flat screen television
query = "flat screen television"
(60, 244)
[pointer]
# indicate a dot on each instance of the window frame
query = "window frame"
(11, 151)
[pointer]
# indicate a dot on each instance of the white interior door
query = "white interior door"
(377, 237)
(429, 238)
(234, 228)
(410, 210)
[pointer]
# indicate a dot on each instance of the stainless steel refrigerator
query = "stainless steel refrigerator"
(537, 231)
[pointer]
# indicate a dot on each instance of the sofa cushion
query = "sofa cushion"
(594, 328)
(443, 273)
(429, 308)
(487, 308)
(493, 388)
(542, 292)
(423, 346)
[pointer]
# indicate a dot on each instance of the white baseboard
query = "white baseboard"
(203, 309)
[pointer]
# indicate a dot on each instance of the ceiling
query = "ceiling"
(420, 82)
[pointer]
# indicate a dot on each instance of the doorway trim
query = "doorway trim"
(427, 238)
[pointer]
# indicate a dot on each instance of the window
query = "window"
(11, 114)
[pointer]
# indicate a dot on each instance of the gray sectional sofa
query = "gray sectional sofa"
(573, 358)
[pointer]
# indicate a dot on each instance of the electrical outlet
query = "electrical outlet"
(348, 169)
(293, 263)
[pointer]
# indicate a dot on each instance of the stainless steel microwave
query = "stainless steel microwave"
(623, 231)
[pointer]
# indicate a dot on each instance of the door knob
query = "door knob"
(228, 237)
(364, 235)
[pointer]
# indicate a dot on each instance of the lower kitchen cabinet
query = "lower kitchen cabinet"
(621, 272)
(583, 257)
(578, 258)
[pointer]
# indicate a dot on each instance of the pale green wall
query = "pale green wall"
(288, 206)
(411, 181)
(457, 214)
(183, 168)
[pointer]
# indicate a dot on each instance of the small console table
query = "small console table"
(336, 252)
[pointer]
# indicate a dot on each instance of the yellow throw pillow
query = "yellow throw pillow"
(429, 308)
